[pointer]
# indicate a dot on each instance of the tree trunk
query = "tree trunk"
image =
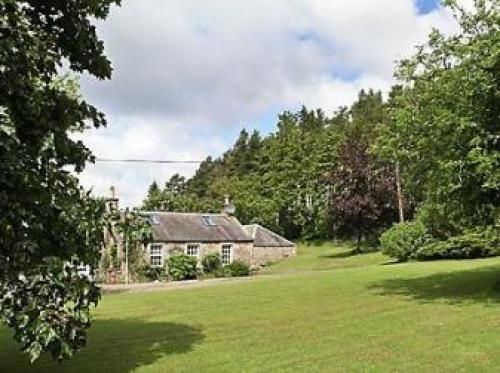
(400, 195)
(358, 242)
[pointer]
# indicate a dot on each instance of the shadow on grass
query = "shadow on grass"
(341, 255)
(350, 253)
(113, 346)
(476, 285)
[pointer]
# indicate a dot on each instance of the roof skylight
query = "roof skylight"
(154, 219)
(207, 220)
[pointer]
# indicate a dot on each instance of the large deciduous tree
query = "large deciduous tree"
(363, 193)
(48, 224)
(446, 122)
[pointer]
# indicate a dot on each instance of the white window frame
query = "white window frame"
(231, 253)
(156, 255)
(191, 246)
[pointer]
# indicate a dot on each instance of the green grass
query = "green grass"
(437, 316)
(325, 256)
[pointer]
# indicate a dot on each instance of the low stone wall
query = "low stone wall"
(264, 255)
(241, 251)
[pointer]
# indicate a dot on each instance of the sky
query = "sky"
(190, 74)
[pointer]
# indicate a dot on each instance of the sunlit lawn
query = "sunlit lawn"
(325, 256)
(362, 315)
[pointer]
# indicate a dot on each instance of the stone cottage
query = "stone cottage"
(198, 234)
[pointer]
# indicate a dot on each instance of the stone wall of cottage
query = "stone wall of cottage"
(243, 252)
(240, 251)
(266, 255)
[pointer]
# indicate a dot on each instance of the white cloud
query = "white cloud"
(150, 138)
(187, 72)
(372, 35)
(329, 93)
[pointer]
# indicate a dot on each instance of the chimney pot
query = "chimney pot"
(228, 208)
(112, 202)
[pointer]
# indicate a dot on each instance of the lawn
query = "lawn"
(344, 316)
(325, 256)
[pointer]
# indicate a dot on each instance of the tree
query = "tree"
(368, 111)
(154, 198)
(153, 189)
(48, 224)
(176, 184)
(363, 197)
(134, 232)
(251, 162)
(236, 158)
(199, 184)
(446, 123)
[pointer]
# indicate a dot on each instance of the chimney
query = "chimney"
(228, 208)
(112, 201)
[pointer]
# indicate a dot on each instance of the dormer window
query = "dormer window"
(207, 220)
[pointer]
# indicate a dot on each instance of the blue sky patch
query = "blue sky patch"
(427, 6)
(307, 36)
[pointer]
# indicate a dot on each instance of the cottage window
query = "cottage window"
(226, 254)
(155, 256)
(192, 250)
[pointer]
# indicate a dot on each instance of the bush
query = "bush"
(466, 246)
(211, 263)
(403, 240)
(182, 267)
(223, 272)
(437, 221)
(239, 269)
(148, 273)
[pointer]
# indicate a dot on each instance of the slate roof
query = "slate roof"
(196, 227)
(263, 237)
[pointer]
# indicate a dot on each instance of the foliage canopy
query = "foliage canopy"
(48, 224)
(445, 127)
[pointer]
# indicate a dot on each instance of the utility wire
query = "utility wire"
(161, 161)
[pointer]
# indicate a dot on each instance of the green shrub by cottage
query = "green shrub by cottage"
(182, 267)
(224, 271)
(148, 273)
(239, 269)
(467, 246)
(211, 263)
(403, 240)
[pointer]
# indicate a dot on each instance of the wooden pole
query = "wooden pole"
(126, 261)
(126, 245)
(400, 195)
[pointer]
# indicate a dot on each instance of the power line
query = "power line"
(160, 161)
